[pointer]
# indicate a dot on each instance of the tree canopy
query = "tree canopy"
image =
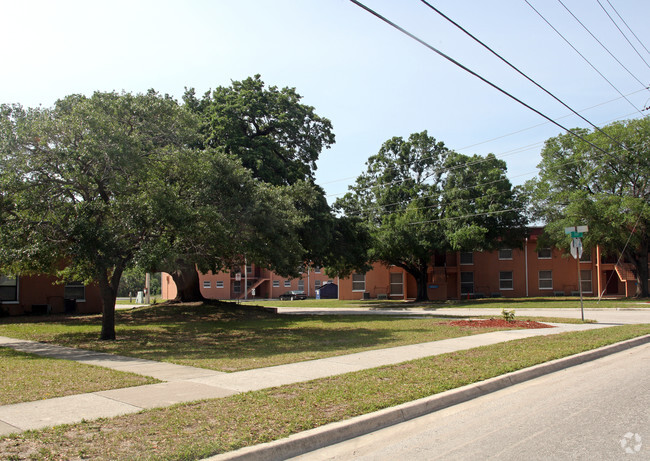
(276, 136)
(97, 182)
(280, 139)
(605, 186)
(419, 198)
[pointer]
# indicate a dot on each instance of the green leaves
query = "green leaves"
(276, 136)
(419, 198)
(609, 191)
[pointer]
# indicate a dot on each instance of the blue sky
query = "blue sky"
(372, 82)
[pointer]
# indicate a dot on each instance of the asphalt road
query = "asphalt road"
(596, 411)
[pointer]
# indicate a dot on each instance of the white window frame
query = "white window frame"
(550, 253)
(471, 257)
(586, 281)
(4, 280)
(508, 278)
(507, 256)
(207, 284)
(545, 279)
(301, 285)
(219, 284)
(360, 284)
(396, 288)
(276, 284)
(287, 283)
(316, 269)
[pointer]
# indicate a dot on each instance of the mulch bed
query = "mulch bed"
(499, 323)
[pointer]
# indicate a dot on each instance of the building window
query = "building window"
(74, 290)
(316, 269)
(466, 283)
(544, 253)
(585, 279)
(276, 284)
(467, 257)
(236, 286)
(8, 288)
(207, 284)
(249, 269)
(545, 280)
(396, 284)
(287, 283)
(505, 280)
(505, 253)
(586, 257)
(358, 282)
(316, 284)
(219, 284)
(301, 285)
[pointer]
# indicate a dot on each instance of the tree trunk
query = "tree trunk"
(108, 310)
(186, 278)
(419, 272)
(108, 290)
(641, 262)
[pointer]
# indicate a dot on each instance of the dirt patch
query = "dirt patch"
(499, 323)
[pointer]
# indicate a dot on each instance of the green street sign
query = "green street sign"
(576, 235)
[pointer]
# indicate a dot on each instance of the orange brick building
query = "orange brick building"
(41, 294)
(508, 272)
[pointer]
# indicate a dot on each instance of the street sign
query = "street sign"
(576, 248)
(238, 276)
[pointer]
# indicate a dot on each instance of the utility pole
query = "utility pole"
(576, 233)
(147, 288)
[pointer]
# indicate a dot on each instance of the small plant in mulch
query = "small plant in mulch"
(508, 315)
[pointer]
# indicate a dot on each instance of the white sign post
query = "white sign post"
(576, 251)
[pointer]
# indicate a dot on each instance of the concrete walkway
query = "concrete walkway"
(625, 315)
(184, 384)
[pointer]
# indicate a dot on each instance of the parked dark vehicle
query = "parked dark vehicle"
(291, 295)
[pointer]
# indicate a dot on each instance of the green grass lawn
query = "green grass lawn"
(228, 337)
(28, 377)
(496, 303)
(200, 429)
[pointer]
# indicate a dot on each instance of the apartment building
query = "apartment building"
(529, 271)
(44, 294)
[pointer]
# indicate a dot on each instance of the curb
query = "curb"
(313, 439)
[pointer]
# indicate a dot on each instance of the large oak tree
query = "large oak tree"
(605, 185)
(419, 198)
(95, 183)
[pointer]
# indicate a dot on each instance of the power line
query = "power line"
(468, 70)
(512, 66)
(516, 150)
(484, 159)
(601, 43)
(624, 36)
(628, 27)
(582, 56)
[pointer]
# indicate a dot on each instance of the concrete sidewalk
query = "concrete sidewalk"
(184, 384)
(624, 315)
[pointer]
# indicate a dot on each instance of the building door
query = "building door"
(611, 278)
